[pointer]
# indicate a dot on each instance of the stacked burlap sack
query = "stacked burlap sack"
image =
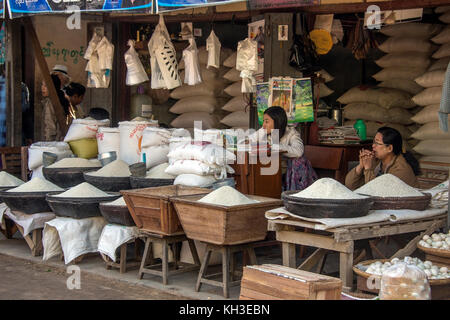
(35, 151)
(321, 87)
(238, 107)
(197, 163)
(408, 51)
(203, 101)
(434, 144)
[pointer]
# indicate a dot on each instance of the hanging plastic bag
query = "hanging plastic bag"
(247, 63)
(92, 46)
(100, 54)
(213, 47)
(191, 65)
(105, 51)
(162, 53)
(135, 71)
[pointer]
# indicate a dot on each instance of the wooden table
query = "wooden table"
(291, 232)
(33, 240)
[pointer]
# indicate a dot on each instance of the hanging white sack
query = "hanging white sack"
(35, 151)
(130, 140)
(213, 47)
(247, 63)
(192, 68)
(84, 129)
(162, 53)
(108, 139)
(135, 71)
(92, 46)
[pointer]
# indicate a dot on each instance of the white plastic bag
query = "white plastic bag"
(155, 155)
(163, 59)
(247, 63)
(35, 151)
(108, 139)
(92, 46)
(209, 153)
(105, 51)
(213, 47)
(135, 71)
(192, 68)
(84, 129)
(130, 140)
(155, 137)
(100, 54)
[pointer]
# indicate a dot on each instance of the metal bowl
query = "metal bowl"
(78, 208)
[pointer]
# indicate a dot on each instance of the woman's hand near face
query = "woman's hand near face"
(368, 160)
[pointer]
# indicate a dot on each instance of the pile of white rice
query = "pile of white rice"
(117, 168)
(75, 163)
(388, 185)
(8, 180)
(83, 190)
(226, 196)
(158, 172)
(327, 188)
(37, 185)
(119, 202)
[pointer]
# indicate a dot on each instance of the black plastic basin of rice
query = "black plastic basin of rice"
(27, 202)
(66, 177)
(117, 215)
(326, 208)
(79, 208)
(108, 184)
(141, 182)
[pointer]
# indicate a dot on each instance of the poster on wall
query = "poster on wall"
(18, 8)
(172, 5)
(2, 9)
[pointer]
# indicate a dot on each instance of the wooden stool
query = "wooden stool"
(166, 240)
(123, 264)
(228, 265)
(33, 240)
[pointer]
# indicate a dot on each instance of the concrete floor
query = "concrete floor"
(181, 285)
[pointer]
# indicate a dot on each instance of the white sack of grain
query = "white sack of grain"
(442, 9)
(327, 77)
(442, 37)
(323, 90)
(440, 64)
(233, 75)
(191, 167)
(35, 151)
(239, 103)
(405, 73)
(433, 148)
(211, 88)
(445, 18)
(384, 97)
(237, 119)
(186, 120)
(234, 89)
(435, 159)
(404, 59)
(400, 116)
(431, 131)
(195, 104)
(155, 137)
(206, 74)
(372, 127)
(409, 86)
(428, 114)
(203, 55)
(84, 129)
(155, 155)
(442, 52)
(414, 30)
(194, 180)
(365, 111)
(130, 140)
(428, 96)
(108, 139)
(230, 62)
(431, 79)
(403, 44)
(210, 154)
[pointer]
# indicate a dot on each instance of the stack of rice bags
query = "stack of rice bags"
(201, 102)
(238, 106)
(434, 144)
(324, 91)
(197, 163)
(408, 52)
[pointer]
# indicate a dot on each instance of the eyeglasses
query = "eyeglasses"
(379, 144)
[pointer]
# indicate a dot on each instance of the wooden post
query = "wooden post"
(13, 83)
(59, 111)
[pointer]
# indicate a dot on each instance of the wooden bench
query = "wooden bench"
(14, 160)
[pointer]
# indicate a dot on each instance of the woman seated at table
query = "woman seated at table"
(297, 171)
(387, 156)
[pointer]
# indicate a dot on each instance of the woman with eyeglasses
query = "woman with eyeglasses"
(387, 156)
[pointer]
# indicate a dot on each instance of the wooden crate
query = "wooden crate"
(274, 282)
(223, 225)
(152, 209)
